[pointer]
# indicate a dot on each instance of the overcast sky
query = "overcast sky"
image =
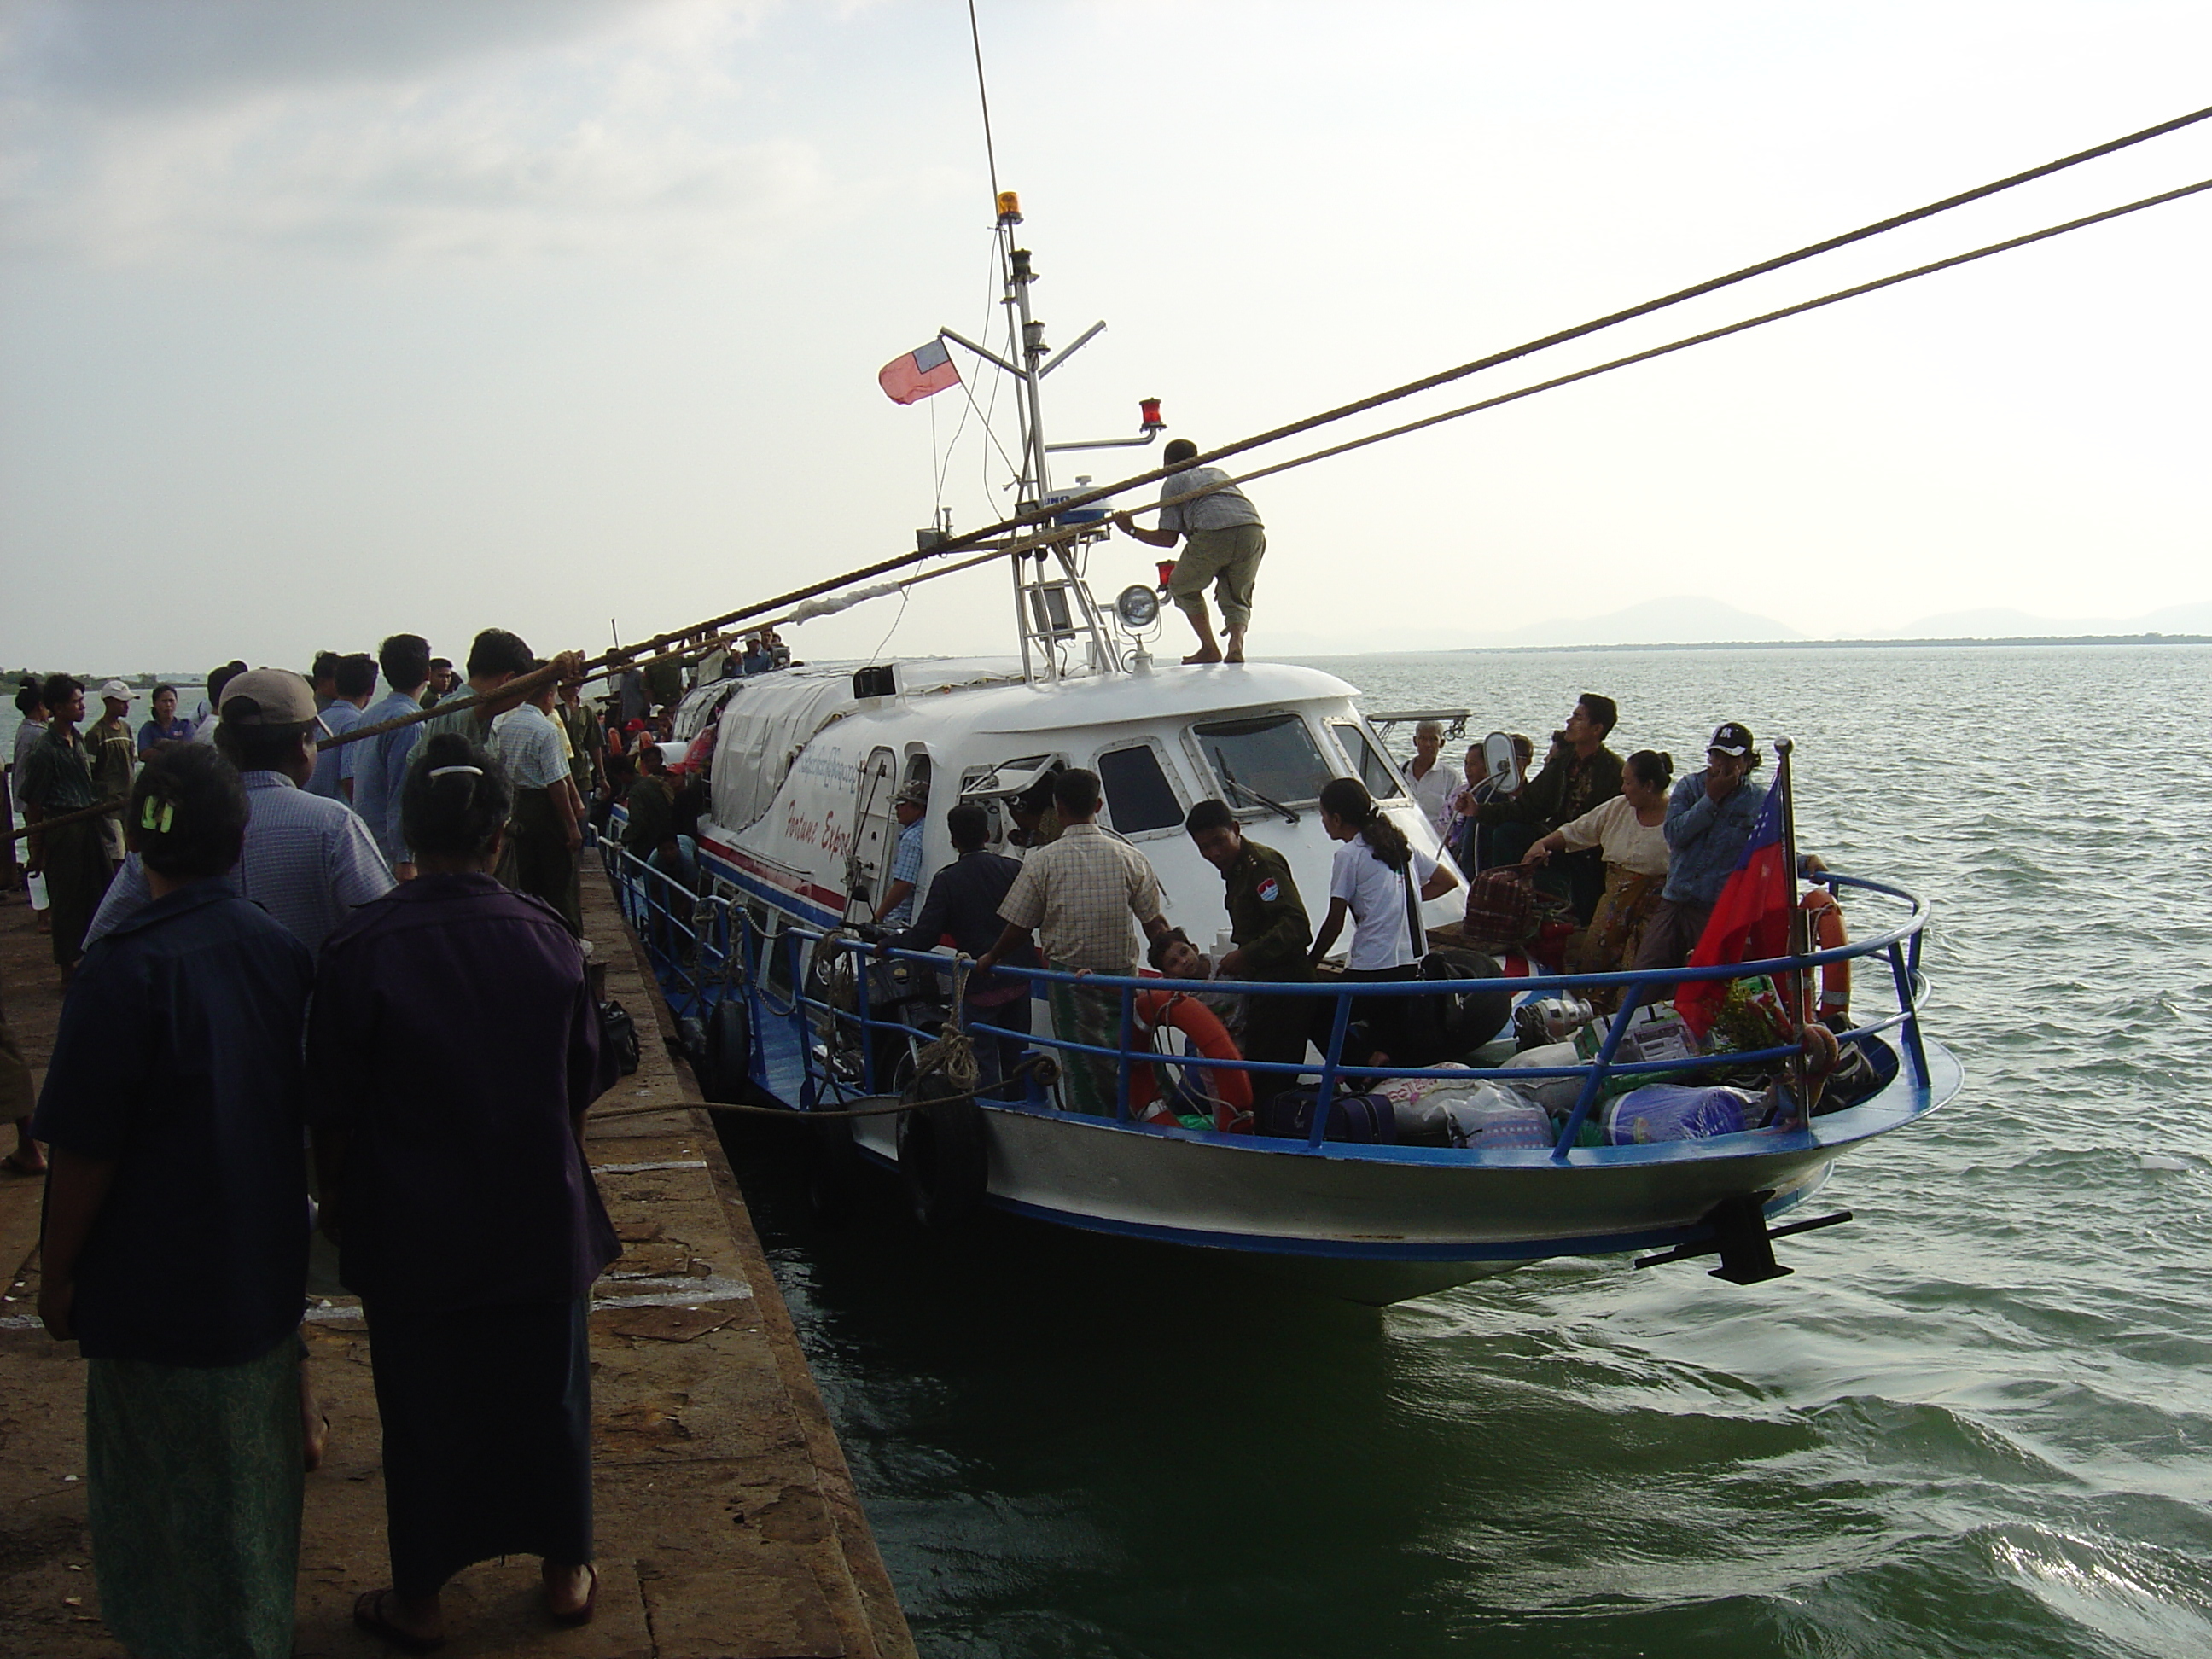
(322, 320)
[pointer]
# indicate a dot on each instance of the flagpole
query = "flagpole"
(1798, 920)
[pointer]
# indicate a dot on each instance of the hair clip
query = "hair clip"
(157, 815)
(448, 771)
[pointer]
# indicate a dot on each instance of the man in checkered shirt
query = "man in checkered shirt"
(1080, 893)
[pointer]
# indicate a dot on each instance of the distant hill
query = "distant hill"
(1686, 619)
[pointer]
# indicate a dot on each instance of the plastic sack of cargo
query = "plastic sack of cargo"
(1406, 1091)
(1485, 1117)
(1672, 1111)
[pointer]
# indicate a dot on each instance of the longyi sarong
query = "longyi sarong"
(194, 1484)
(487, 1416)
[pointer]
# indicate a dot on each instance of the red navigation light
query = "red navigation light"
(1167, 574)
(1148, 413)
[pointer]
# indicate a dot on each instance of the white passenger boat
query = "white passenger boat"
(797, 844)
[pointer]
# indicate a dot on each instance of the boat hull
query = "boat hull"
(1381, 1223)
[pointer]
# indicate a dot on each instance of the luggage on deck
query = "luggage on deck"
(1368, 1119)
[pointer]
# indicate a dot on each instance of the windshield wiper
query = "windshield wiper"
(1257, 799)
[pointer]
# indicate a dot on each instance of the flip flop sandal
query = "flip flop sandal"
(15, 1162)
(582, 1615)
(369, 1613)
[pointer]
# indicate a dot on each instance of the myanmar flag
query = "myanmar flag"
(1750, 921)
(922, 372)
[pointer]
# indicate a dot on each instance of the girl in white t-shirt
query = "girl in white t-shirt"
(1373, 880)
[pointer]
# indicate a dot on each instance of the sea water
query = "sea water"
(1975, 1421)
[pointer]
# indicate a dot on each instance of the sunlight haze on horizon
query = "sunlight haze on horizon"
(322, 322)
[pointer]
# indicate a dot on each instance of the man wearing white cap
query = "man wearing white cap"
(112, 749)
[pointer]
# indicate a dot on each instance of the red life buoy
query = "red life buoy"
(1232, 1090)
(1826, 920)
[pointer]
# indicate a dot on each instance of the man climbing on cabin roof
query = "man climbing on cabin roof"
(1225, 542)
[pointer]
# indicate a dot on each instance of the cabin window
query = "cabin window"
(1270, 755)
(1372, 768)
(1138, 796)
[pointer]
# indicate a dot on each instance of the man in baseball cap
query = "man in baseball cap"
(912, 807)
(1709, 823)
(113, 749)
(309, 860)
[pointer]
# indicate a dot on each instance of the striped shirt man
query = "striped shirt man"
(308, 861)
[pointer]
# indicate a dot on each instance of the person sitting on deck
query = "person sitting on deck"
(1709, 819)
(175, 1246)
(1628, 832)
(1581, 775)
(1080, 893)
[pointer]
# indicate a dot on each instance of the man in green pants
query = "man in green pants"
(1223, 543)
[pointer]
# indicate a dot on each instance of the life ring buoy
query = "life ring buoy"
(1826, 920)
(1232, 1090)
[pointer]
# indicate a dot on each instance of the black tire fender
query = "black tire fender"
(943, 1156)
(727, 1075)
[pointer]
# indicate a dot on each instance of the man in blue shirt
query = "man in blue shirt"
(354, 677)
(1708, 820)
(912, 807)
(308, 862)
(377, 766)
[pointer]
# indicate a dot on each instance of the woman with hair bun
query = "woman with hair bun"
(1372, 879)
(175, 1244)
(452, 1053)
(1630, 832)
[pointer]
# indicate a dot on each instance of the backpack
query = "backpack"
(619, 1032)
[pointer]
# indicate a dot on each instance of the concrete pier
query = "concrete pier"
(727, 1524)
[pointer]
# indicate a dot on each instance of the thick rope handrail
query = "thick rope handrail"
(1721, 332)
(1038, 515)
(687, 641)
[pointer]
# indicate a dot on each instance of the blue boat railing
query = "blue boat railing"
(705, 947)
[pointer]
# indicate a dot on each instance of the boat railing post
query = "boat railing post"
(1123, 1062)
(1901, 971)
(861, 963)
(809, 1087)
(1329, 1061)
(1573, 1128)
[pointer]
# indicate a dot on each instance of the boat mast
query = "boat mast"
(1053, 603)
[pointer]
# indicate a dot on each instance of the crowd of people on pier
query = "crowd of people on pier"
(363, 961)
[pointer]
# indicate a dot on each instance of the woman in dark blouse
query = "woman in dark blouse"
(452, 1052)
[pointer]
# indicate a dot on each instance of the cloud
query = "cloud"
(489, 129)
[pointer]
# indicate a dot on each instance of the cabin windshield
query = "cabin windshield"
(1377, 773)
(1270, 755)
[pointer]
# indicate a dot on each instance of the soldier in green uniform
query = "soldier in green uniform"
(1269, 924)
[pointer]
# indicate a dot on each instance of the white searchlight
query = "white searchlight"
(1138, 606)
